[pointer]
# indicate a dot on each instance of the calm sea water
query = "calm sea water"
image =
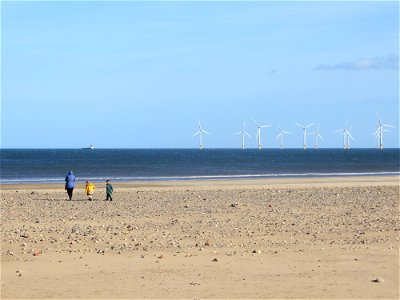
(51, 165)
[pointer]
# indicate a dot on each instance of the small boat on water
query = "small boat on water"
(91, 147)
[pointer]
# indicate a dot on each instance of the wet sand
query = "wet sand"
(260, 238)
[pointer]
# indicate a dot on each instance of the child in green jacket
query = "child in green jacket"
(109, 190)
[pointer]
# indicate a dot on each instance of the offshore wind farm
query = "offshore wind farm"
(345, 132)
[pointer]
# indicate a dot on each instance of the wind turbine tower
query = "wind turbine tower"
(377, 138)
(317, 135)
(380, 130)
(200, 133)
(304, 134)
(259, 132)
(243, 132)
(348, 138)
(281, 133)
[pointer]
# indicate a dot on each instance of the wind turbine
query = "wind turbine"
(200, 133)
(346, 134)
(378, 134)
(348, 137)
(243, 132)
(259, 132)
(380, 131)
(304, 133)
(317, 135)
(281, 133)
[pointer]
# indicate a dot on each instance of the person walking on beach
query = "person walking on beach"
(109, 190)
(90, 190)
(70, 184)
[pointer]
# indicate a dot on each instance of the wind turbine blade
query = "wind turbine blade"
(247, 134)
(338, 130)
(196, 134)
(255, 122)
(277, 137)
(205, 132)
(299, 125)
(285, 132)
(320, 136)
(265, 126)
(310, 125)
(379, 119)
(386, 125)
(350, 135)
(238, 133)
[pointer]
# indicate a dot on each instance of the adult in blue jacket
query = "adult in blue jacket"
(70, 184)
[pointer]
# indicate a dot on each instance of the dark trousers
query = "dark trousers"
(108, 197)
(70, 191)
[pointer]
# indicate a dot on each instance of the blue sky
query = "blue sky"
(142, 74)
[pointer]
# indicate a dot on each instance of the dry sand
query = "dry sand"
(265, 238)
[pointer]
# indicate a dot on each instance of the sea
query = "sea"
(52, 165)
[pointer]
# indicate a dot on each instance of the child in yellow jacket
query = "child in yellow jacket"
(90, 190)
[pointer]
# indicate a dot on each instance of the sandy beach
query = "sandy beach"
(261, 238)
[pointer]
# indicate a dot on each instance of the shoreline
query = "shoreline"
(235, 182)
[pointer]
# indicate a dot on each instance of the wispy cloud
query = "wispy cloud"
(390, 62)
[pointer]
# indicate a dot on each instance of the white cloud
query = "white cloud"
(391, 62)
